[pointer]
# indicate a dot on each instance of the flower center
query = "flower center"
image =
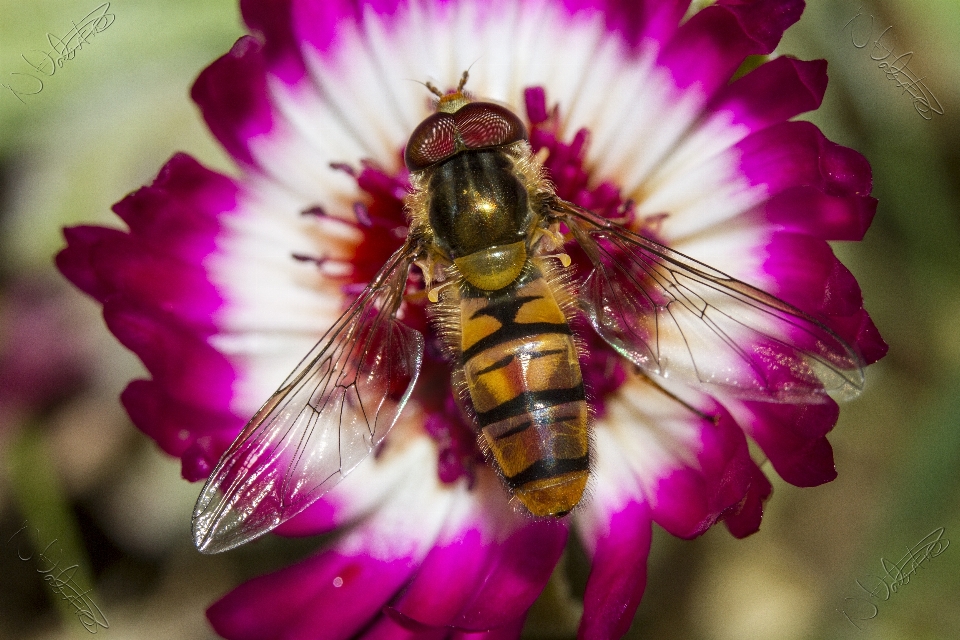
(381, 219)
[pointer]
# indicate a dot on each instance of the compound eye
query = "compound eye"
(433, 140)
(484, 124)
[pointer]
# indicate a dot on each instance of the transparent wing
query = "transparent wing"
(679, 318)
(328, 415)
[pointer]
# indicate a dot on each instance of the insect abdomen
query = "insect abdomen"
(522, 371)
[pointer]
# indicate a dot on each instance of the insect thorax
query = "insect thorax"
(479, 208)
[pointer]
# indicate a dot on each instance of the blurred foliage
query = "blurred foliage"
(106, 121)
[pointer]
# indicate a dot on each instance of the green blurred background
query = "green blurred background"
(85, 479)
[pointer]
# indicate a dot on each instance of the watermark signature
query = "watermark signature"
(896, 575)
(62, 49)
(87, 612)
(895, 68)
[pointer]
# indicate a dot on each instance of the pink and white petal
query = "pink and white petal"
(796, 154)
(266, 125)
(158, 300)
(275, 307)
(338, 592)
(709, 47)
(171, 286)
(355, 49)
(700, 184)
(689, 468)
(773, 92)
(407, 453)
(616, 531)
(699, 59)
(629, 143)
(187, 367)
(489, 563)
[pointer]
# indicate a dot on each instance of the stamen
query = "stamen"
(535, 100)
(434, 294)
(315, 210)
(319, 261)
(363, 214)
(343, 166)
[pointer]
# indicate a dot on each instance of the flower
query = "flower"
(220, 285)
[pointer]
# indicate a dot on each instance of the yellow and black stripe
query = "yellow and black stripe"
(521, 368)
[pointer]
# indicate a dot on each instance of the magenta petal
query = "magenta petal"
(808, 210)
(272, 20)
(177, 426)
(661, 17)
(809, 276)
(709, 47)
(793, 437)
(764, 21)
(177, 215)
(475, 582)
(318, 23)
(637, 20)
(159, 302)
(319, 517)
(460, 566)
(74, 261)
(233, 98)
(858, 329)
(618, 574)
(795, 154)
(774, 92)
(508, 631)
(744, 520)
(386, 628)
(517, 570)
(186, 366)
(689, 501)
(330, 595)
(171, 286)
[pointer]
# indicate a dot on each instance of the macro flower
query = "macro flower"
(221, 285)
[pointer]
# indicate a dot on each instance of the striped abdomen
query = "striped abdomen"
(522, 371)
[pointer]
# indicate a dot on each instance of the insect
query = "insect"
(488, 232)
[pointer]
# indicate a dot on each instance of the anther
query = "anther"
(563, 258)
(363, 214)
(434, 294)
(343, 166)
(315, 210)
(299, 257)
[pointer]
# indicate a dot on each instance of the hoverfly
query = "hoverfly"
(487, 227)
